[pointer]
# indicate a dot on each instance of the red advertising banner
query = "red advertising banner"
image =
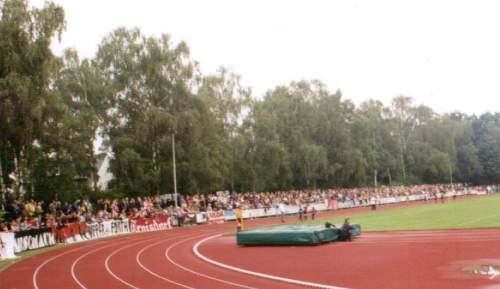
(215, 216)
(333, 204)
(147, 224)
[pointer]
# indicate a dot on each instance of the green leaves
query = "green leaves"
(487, 141)
(26, 68)
(138, 91)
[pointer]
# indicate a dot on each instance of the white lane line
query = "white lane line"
(472, 221)
(138, 257)
(73, 266)
(35, 274)
(167, 251)
(382, 238)
(440, 232)
(450, 232)
(37, 270)
(257, 274)
(106, 262)
(426, 240)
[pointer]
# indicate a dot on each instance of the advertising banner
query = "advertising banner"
(215, 216)
(34, 239)
(7, 245)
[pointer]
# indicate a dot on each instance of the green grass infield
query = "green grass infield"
(478, 212)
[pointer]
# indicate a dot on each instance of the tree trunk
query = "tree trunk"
(156, 166)
(2, 185)
(390, 179)
(233, 159)
(18, 171)
(402, 159)
(451, 174)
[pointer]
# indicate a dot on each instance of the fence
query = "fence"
(11, 243)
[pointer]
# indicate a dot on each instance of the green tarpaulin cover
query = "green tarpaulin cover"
(292, 235)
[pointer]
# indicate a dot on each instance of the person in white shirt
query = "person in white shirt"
(281, 208)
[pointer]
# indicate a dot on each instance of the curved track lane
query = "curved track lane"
(392, 260)
(181, 265)
(165, 259)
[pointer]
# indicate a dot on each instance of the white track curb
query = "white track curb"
(257, 274)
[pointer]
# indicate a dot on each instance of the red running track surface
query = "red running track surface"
(396, 260)
(409, 260)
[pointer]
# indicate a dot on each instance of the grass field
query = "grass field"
(5, 263)
(480, 212)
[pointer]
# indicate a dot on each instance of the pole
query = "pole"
(451, 174)
(174, 172)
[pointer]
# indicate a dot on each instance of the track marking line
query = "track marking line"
(35, 274)
(167, 251)
(73, 265)
(108, 269)
(472, 221)
(93, 243)
(138, 255)
(137, 259)
(495, 274)
(257, 274)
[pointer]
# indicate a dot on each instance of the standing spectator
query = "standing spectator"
(313, 213)
(281, 208)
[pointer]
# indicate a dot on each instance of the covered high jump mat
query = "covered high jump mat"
(293, 235)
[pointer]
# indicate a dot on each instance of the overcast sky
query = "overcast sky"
(445, 54)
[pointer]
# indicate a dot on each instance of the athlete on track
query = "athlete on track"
(239, 218)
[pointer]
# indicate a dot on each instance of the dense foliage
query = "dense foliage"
(138, 93)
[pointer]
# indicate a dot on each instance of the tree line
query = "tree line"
(138, 93)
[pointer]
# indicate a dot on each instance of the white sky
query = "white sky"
(445, 54)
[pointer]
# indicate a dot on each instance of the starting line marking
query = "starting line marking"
(257, 274)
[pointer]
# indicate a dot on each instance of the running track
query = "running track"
(167, 259)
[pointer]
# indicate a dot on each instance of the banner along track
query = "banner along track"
(392, 260)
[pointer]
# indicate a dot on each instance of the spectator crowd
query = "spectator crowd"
(21, 214)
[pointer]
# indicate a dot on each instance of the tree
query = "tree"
(404, 117)
(66, 151)
(372, 132)
(26, 70)
(225, 101)
(487, 140)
